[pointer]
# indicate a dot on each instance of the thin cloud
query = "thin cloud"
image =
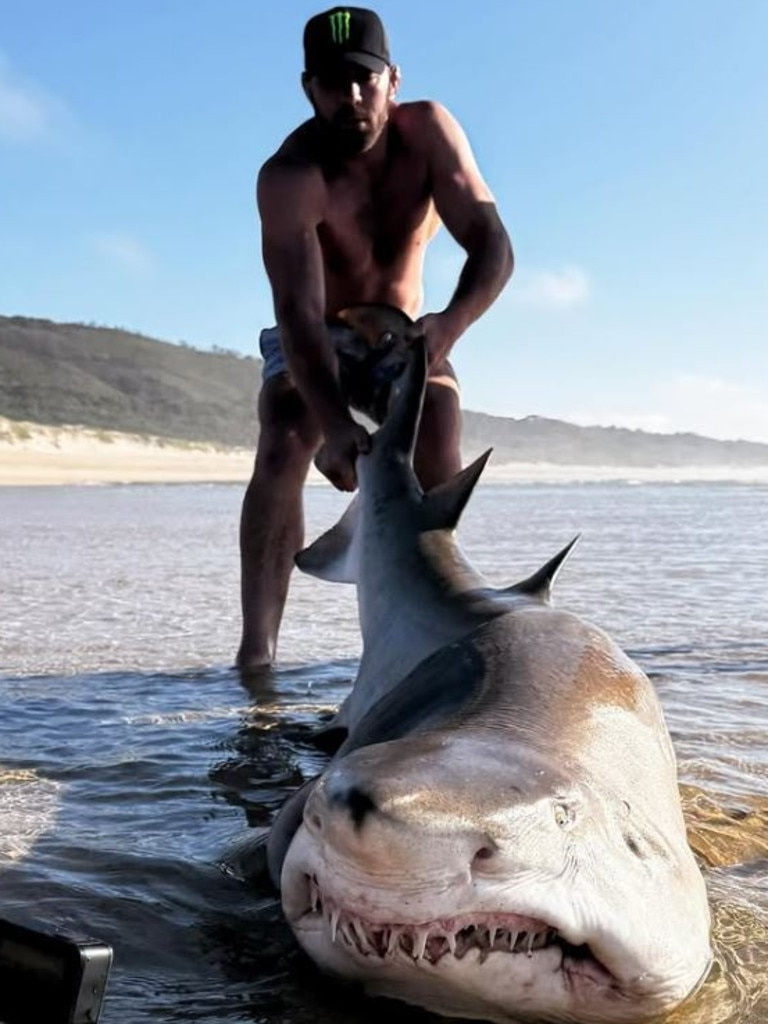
(566, 287)
(551, 288)
(692, 403)
(125, 251)
(27, 113)
(721, 408)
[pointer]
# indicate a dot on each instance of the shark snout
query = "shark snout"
(353, 801)
(382, 814)
(355, 822)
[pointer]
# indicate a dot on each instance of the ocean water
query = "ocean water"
(138, 774)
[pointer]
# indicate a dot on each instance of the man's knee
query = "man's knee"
(441, 415)
(283, 453)
(438, 452)
(288, 434)
(443, 374)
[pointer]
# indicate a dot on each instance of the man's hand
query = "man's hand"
(338, 455)
(439, 333)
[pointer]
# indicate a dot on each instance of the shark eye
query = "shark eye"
(565, 815)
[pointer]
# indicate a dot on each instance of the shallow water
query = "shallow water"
(137, 773)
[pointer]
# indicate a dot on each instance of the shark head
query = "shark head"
(373, 356)
(478, 875)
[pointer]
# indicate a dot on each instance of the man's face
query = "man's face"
(351, 104)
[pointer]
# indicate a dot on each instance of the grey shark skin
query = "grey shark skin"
(500, 836)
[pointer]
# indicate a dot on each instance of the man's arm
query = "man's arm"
(290, 206)
(467, 208)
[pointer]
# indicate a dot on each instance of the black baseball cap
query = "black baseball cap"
(345, 35)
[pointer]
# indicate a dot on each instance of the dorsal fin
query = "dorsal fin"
(540, 584)
(334, 555)
(441, 507)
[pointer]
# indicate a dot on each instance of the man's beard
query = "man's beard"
(347, 134)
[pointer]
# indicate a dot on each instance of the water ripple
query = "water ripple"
(138, 776)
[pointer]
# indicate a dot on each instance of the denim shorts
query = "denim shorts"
(271, 348)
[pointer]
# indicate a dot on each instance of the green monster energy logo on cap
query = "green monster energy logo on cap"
(340, 22)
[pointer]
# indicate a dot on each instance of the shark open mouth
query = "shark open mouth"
(432, 941)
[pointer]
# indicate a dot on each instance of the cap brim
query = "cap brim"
(363, 60)
(366, 60)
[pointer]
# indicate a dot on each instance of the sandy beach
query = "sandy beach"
(36, 455)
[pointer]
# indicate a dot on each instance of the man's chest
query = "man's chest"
(377, 219)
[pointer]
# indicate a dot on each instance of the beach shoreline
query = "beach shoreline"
(36, 455)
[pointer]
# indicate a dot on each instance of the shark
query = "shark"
(499, 834)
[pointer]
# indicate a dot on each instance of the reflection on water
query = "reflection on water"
(137, 775)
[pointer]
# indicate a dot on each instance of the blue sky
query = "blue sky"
(625, 142)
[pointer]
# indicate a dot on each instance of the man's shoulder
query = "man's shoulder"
(290, 181)
(420, 121)
(419, 113)
(295, 156)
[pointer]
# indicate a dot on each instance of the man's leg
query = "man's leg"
(272, 521)
(438, 454)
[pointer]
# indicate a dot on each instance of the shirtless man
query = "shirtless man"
(348, 204)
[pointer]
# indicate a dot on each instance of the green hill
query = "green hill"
(103, 377)
(76, 374)
(536, 439)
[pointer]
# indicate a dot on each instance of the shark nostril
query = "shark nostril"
(316, 822)
(356, 801)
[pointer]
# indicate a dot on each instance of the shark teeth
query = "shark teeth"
(430, 941)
